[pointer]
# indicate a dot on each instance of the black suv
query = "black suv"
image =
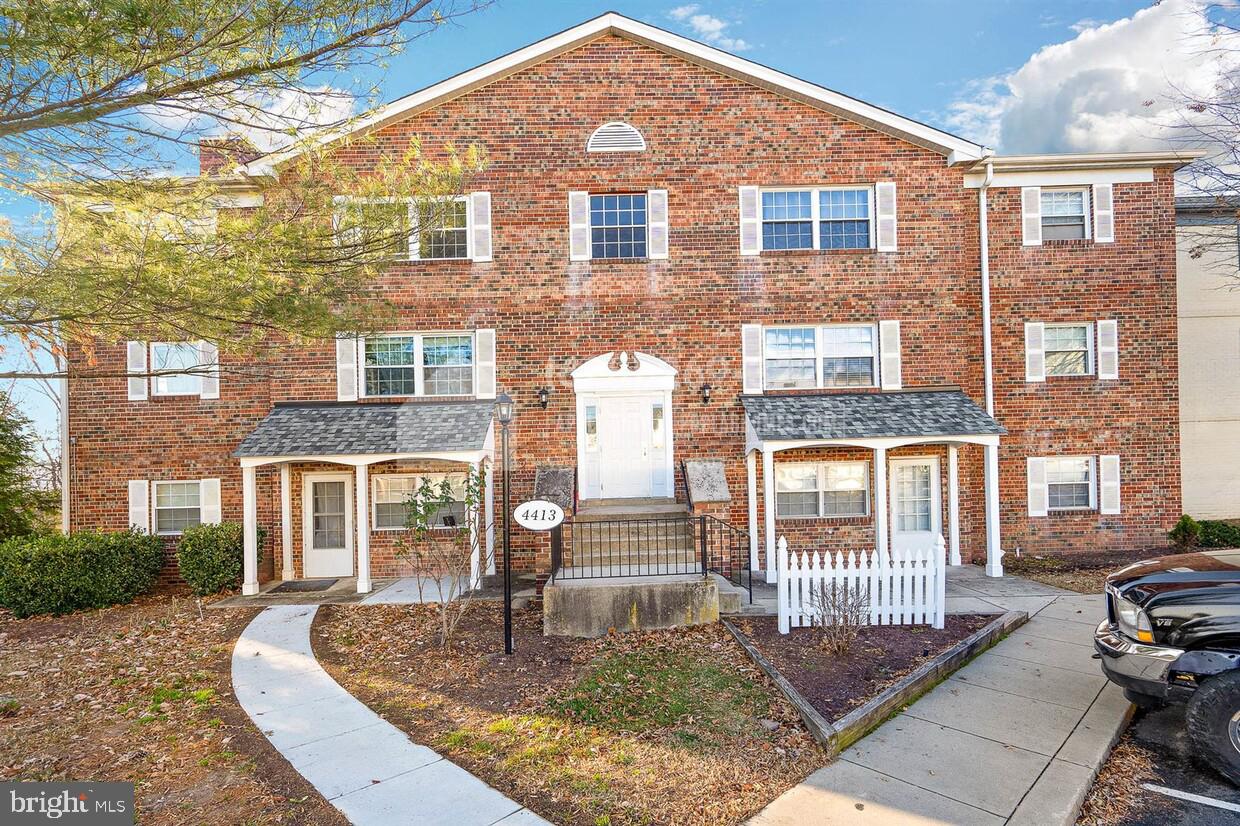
(1172, 634)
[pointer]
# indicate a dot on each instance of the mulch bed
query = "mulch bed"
(1117, 794)
(143, 693)
(881, 655)
(664, 727)
(1084, 572)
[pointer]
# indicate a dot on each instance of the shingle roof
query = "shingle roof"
(349, 429)
(867, 415)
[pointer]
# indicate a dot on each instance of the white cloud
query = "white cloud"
(1114, 87)
(1085, 23)
(707, 27)
(266, 120)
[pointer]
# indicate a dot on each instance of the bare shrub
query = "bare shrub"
(838, 612)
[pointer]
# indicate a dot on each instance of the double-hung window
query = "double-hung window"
(392, 495)
(827, 489)
(443, 230)
(829, 218)
(1065, 214)
(1070, 483)
(1069, 349)
(178, 505)
(170, 356)
(419, 365)
(618, 226)
(842, 355)
(396, 228)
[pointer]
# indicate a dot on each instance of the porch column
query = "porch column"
(994, 552)
(880, 501)
(751, 476)
(953, 504)
(362, 497)
(768, 510)
(249, 531)
(476, 539)
(286, 521)
(490, 516)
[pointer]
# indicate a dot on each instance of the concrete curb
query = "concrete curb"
(837, 735)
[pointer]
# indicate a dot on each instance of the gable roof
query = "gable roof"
(842, 416)
(955, 148)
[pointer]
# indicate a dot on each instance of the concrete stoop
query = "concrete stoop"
(594, 607)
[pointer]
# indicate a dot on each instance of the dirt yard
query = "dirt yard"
(880, 656)
(142, 693)
(1085, 573)
(666, 727)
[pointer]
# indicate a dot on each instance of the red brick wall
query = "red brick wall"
(707, 134)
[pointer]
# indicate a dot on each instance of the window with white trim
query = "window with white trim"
(1069, 349)
(178, 505)
(389, 224)
(822, 489)
(618, 226)
(1070, 483)
(179, 355)
(822, 218)
(1065, 214)
(393, 492)
(417, 364)
(837, 355)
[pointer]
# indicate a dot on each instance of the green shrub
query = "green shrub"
(211, 557)
(1215, 534)
(56, 574)
(1186, 533)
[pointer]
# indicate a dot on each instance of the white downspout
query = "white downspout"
(994, 551)
(66, 445)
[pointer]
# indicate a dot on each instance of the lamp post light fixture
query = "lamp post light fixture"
(706, 388)
(544, 396)
(505, 412)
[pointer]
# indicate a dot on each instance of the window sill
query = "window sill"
(619, 260)
(831, 520)
(794, 253)
(1067, 242)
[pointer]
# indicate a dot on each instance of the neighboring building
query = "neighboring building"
(1208, 263)
(698, 257)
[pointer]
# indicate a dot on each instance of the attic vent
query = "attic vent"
(616, 137)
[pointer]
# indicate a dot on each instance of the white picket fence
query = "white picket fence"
(902, 588)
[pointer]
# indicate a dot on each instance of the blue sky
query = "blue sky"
(1020, 75)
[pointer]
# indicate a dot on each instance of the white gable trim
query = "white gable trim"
(955, 148)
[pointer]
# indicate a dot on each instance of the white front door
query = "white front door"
(327, 535)
(625, 446)
(916, 509)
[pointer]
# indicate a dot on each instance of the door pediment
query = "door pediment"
(624, 372)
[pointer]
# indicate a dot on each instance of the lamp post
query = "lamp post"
(505, 412)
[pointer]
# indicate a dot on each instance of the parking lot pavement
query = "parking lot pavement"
(1163, 734)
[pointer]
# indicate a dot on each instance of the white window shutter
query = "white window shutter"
(209, 502)
(885, 211)
(751, 358)
(1108, 484)
(209, 362)
(140, 504)
(1031, 214)
(484, 364)
(1104, 213)
(579, 226)
(751, 221)
(1108, 350)
(1038, 496)
(1035, 351)
(889, 350)
(480, 225)
(656, 223)
(135, 362)
(346, 369)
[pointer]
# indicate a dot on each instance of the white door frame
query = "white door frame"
(308, 571)
(936, 494)
(653, 379)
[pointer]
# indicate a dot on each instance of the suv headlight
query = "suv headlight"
(1132, 621)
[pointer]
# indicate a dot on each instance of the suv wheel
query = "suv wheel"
(1213, 716)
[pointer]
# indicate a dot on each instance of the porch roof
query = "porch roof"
(343, 429)
(849, 416)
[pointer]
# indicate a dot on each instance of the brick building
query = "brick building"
(884, 332)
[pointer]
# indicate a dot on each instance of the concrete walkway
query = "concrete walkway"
(366, 767)
(1014, 737)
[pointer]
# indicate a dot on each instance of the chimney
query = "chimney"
(218, 156)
